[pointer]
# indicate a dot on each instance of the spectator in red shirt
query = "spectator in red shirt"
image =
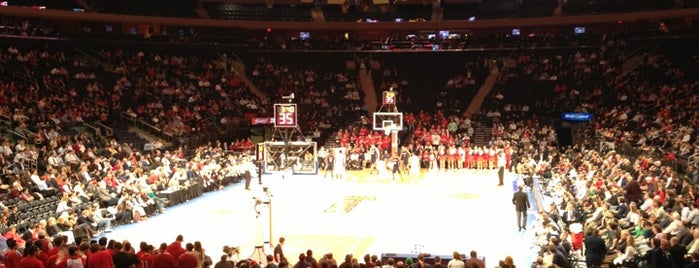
(31, 261)
(100, 258)
(12, 234)
(146, 257)
(188, 259)
(11, 256)
(58, 241)
(58, 260)
(164, 259)
(175, 249)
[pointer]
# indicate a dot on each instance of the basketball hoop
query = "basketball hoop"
(389, 130)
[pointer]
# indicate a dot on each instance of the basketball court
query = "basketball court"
(434, 212)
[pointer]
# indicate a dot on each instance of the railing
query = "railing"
(95, 130)
(125, 116)
(108, 131)
(95, 60)
(24, 77)
(663, 131)
(29, 134)
(20, 135)
(168, 135)
(140, 123)
(5, 120)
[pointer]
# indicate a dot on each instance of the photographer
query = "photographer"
(232, 254)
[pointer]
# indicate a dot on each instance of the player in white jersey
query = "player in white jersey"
(339, 165)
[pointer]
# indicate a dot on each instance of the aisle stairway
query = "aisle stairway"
(366, 82)
(482, 135)
(238, 66)
(483, 92)
(124, 132)
(631, 63)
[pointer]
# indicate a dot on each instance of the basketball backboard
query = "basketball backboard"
(388, 120)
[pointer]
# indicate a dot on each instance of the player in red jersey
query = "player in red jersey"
(442, 151)
(452, 152)
(471, 158)
(492, 158)
(480, 159)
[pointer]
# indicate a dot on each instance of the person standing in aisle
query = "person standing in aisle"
(521, 201)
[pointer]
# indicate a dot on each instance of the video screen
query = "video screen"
(304, 35)
(444, 34)
(579, 30)
(515, 32)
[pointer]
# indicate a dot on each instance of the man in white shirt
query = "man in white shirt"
(6, 150)
(39, 183)
(71, 158)
(55, 161)
(100, 220)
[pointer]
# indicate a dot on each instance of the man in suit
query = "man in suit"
(571, 214)
(595, 249)
(658, 257)
(521, 201)
(677, 252)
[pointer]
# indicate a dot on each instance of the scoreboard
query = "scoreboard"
(285, 115)
(389, 97)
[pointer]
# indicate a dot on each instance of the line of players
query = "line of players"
(411, 160)
(463, 157)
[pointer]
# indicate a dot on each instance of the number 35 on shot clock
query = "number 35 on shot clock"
(389, 97)
(285, 115)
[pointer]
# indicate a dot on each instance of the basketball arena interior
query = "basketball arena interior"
(349, 133)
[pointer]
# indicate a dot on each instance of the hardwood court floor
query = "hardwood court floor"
(434, 212)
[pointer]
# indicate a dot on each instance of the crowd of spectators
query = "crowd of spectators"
(117, 185)
(608, 208)
(325, 98)
(58, 181)
(436, 41)
(180, 94)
